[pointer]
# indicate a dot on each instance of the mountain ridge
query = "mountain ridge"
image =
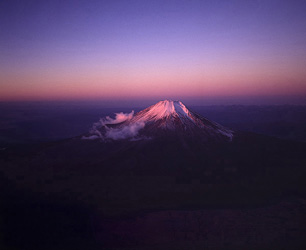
(172, 117)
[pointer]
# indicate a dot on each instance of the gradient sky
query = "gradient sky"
(63, 50)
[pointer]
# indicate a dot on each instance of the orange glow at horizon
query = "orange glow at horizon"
(74, 90)
(143, 49)
(156, 80)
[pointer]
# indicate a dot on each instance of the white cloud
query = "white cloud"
(129, 131)
(125, 132)
(120, 117)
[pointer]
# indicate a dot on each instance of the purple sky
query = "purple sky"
(153, 49)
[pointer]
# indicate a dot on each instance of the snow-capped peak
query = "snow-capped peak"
(164, 109)
(163, 116)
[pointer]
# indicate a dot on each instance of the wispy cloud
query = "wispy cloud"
(125, 132)
(101, 129)
(120, 117)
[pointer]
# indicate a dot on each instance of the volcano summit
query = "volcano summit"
(163, 118)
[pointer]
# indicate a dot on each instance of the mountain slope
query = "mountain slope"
(165, 117)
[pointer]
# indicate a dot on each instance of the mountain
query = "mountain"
(163, 118)
(99, 190)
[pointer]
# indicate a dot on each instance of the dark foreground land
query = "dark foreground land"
(164, 194)
(78, 194)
